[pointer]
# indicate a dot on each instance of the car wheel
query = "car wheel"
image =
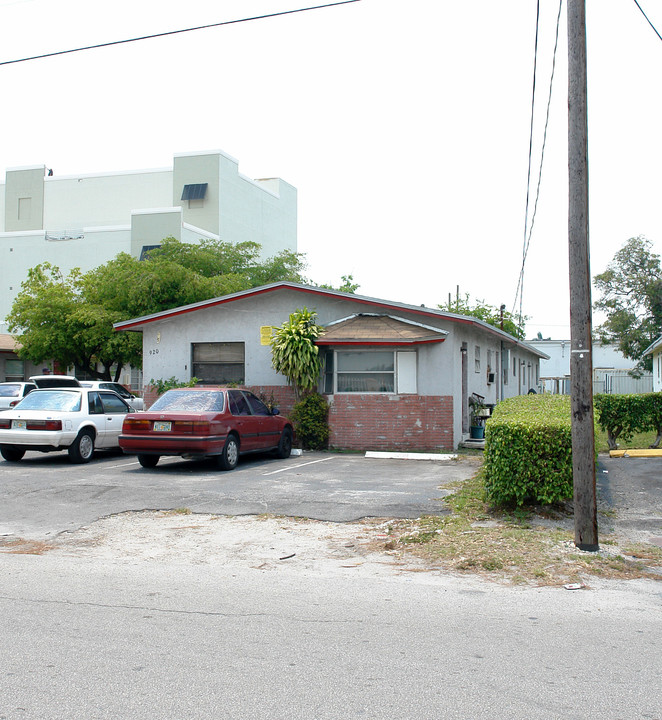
(285, 444)
(11, 455)
(229, 458)
(82, 448)
(148, 461)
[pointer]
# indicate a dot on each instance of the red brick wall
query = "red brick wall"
(391, 422)
(373, 422)
(282, 395)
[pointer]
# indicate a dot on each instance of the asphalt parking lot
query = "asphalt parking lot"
(44, 494)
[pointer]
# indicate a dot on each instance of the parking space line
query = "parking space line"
(294, 467)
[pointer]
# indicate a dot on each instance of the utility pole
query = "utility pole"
(581, 354)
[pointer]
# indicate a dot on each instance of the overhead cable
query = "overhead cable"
(527, 239)
(649, 22)
(176, 32)
(528, 174)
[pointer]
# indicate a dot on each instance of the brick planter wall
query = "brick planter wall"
(391, 422)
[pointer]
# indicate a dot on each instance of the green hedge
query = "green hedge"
(311, 422)
(622, 416)
(528, 451)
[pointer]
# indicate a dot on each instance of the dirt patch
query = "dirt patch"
(259, 542)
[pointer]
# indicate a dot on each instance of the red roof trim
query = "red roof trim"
(166, 314)
(374, 343)
(425, 312)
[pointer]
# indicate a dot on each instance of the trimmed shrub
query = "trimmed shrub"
(621, 416)
(171, 383)
(311, 422)
(528, 451)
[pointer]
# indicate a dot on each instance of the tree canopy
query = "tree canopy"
(631, 300)
(52, 319)
(492, 315)
(348, 285)
(70, 319)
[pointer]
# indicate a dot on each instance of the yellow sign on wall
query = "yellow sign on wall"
(266, 332)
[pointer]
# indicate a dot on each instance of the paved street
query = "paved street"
(88, 634)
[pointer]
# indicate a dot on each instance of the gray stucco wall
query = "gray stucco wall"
(167, 345)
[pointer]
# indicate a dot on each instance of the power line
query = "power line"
(177, 32)
(648, 20)
(528, 175)
(527, 240)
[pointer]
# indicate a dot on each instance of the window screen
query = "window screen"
(218, 363)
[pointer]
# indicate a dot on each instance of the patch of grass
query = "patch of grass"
(178, 511)
(640, 440)
(529, 545)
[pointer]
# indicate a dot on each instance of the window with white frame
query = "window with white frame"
(136, 379)
(477, 359)
(370, 371)
(218, 363)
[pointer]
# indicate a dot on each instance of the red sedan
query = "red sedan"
(205, 421)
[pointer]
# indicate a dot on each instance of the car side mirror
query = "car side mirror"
(275, 411)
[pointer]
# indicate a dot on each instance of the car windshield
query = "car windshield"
(61, 400)
(9, 390)
(193, 401)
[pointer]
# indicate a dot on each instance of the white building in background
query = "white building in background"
(611, 370)
(86, 220)
(655, 350)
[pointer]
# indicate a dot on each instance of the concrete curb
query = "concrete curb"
(409, 456)
(651, 452)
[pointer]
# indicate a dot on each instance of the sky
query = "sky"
(404, 126)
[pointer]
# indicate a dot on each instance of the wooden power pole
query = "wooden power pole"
(581, 355)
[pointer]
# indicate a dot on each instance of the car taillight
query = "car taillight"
(136, 425)
(14, 403)
(196, 427)
(5, 424)
(43, 424)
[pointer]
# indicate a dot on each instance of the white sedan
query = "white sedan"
(74, 419)
(137, 403)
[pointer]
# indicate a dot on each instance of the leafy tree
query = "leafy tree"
(71, 319)
(51, 318)
(631, 299)
(348, 285)
(294, 353)
(490, 314)
(179, 274)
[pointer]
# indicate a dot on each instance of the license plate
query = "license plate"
(162, 426)
(18, 425)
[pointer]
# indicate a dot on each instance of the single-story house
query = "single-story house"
(12, 368)
(396, 376)
(655, 349)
